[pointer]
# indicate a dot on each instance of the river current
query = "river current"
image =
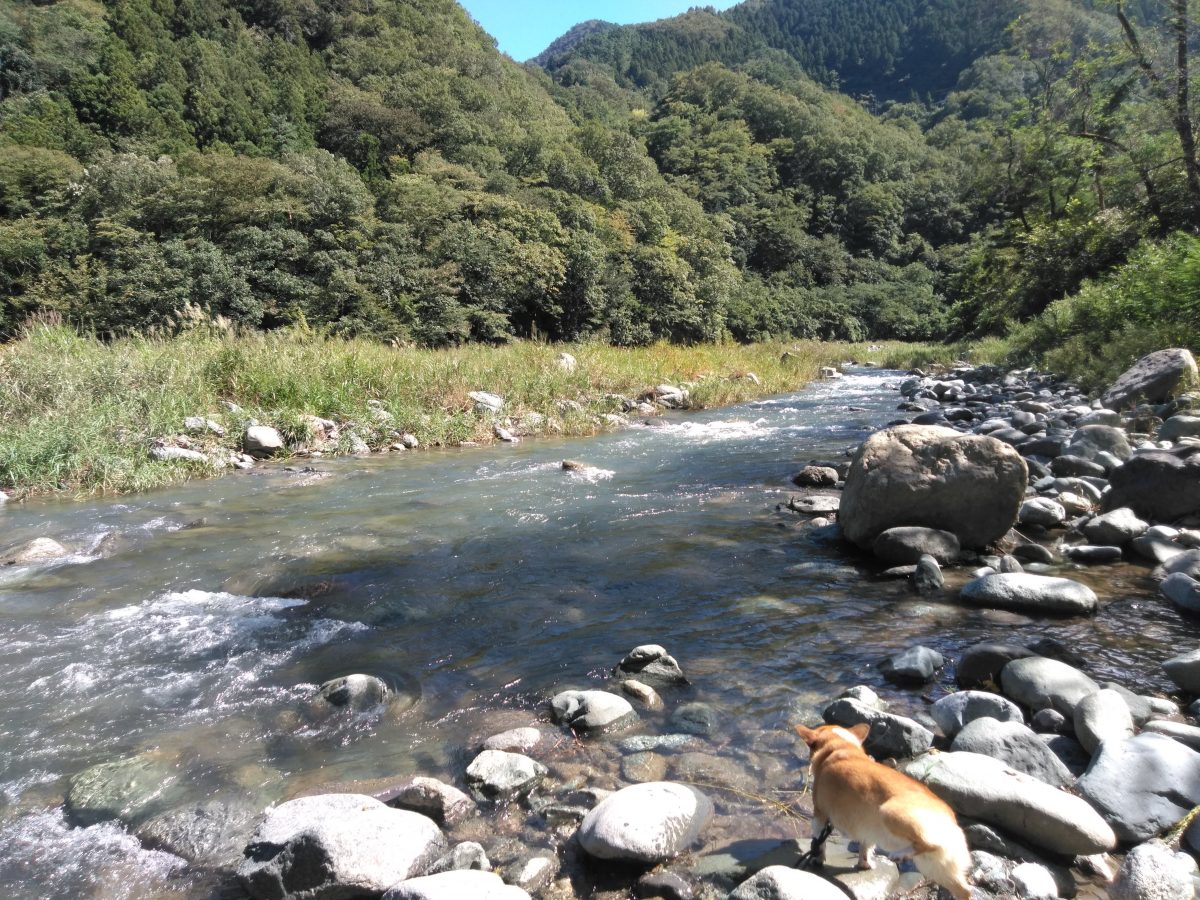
(194, 624)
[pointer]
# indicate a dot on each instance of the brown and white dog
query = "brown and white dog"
(880, 807)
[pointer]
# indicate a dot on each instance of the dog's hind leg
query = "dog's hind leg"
(946, 867)
(821, 829)
(866, 856)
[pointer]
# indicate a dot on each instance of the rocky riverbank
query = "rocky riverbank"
(631, 784)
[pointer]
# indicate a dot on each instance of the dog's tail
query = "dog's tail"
(944, 859)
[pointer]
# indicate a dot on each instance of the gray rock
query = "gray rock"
(532, 871)
(916, 665)
(1182, 590)
(1016, 746)
(1188, 735)
(36, 551)
(1093, 554)
(664, 884)
(1092, 440)
(970, 485)
(786, 883)
(645, 823)
(815, 476)
(592, 712)
(486, 402)
(954, 711)
(171, 454)
(1068, 466)
(1029, 592)
(443, 803)
(890, 735)
(642, 693)
(462, 857)
(262, 441)
(336, 846)
(1153, 871)
(906, 544)
(1187, 563)
(642, 742)
(1102, 716)
(209, 834)
(497, 774)
(1043, 512)
(980, 664)
(927, 577)
(1116, 528)
(202, 425)
(1037, 683)
(1184, 670)
(1050, 721)
(695, 718)
(515, 740)
(1158, 544)
(130, 790)
(650, 663)
(1152, 379)
(1177, 427)
(357, 692)
(1158, 485)
(1143, 785)
(456, 885)
(986, 789)
(1099, 417)
(1140, 708)
(1034, 882)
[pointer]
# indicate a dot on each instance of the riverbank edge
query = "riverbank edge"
(86, 417)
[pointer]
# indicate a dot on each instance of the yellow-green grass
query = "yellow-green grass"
(80, 415)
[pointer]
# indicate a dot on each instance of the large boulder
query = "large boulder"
(906, 545)
(1158, 485)
(1015, 745)
(1032, 593)
(970, 485)
(983, 788)
(954, 711)
(1143, 785)
(357, 692)
(645, 823)
(209, 834)
(1152, 379)
(337, 847)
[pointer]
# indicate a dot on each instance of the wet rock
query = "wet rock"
(262, 441)
(650, 663)
(663, 885)
(496, 774)
(638, 768)
(462, 857)
(1158, 544)
(986, 789)
(456, 885)
(504, 435)
(1143, 785)
(1102, 716)
(1158, 485)
(592, 712)
(357, 692)
(905, 545)
(1116, 528)
(890, 735)
(970, 485)
(515, 740)
(486, 402)
(1153, 871)
(980, 664)
(130, 790)
(1033, 553)
(443, 803)
(1152, 379)
(1028, 592)
(1183, 591)
(532, 872)
(334, 846)
(1015, 745)
(815, 476)
(1093, 554)
(1040, 683)
(209, 834)
(695, 718)
(954, 711)
(642, 693)
(36, 551)
(1187, 563)
(927, 577)
(916, 665)
(815, 504)
(641, 742)
(1043, 512)
(1184, 670)
(645, 823)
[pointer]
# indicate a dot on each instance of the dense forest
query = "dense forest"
(378, 168)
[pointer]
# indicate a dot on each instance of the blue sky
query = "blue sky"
(524, 28)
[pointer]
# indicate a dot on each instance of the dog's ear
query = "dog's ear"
(807, 734)
(860, 731)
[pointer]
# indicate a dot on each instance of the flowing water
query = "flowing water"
(192, 625)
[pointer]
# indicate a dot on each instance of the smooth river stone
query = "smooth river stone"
(954, 711)
(645, 823)
(457, 885)
(986, 789)
(1031, 593)
(1039, 683)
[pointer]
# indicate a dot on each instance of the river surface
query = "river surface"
(193, 624)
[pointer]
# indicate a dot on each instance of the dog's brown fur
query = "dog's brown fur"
(878, 806)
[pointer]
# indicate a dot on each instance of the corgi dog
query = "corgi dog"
(878, 806)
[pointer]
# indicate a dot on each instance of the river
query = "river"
(193, 624)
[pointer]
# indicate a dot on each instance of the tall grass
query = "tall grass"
(80, 415)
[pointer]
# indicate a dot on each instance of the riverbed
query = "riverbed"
(191, 626)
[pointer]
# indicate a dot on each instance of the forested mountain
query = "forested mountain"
(377, 167)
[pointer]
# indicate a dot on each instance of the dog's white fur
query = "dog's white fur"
(880, 807)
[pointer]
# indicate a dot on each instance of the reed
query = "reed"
(81, 414)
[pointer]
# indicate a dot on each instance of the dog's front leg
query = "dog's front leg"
(866, 856)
